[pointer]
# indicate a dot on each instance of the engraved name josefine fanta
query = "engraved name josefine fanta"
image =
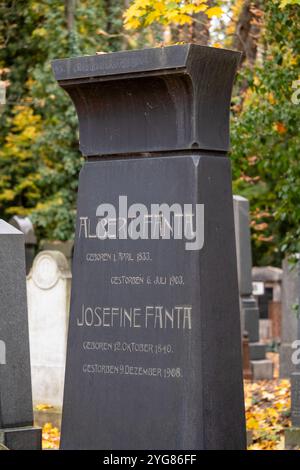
(151, 316)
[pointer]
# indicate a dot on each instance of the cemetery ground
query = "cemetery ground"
(267, 406)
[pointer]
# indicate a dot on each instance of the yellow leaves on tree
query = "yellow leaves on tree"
(284, 3)
(143, 13)
(25, 127)
(19, 152)
(214, 11)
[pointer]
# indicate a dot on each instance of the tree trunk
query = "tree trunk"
(70, 7)
(201, 25)
(248, 30)
(114, 11)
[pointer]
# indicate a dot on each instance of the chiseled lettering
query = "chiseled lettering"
(151, 316)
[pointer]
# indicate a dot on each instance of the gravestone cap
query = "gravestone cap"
(7, 229)
(162, 99)
(266, 274)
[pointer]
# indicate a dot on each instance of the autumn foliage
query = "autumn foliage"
(267, 405)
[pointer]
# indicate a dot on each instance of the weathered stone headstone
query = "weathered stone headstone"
(267, 282)
(292, 434)
(295, 398)
(262, 368)
(16, 415)
(290, 309)
(290, 343)
(48, 291)
(154, 345)
(271, 277)
(64, 247)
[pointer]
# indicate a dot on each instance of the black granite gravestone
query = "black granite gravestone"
(16, 415)
(154, 346)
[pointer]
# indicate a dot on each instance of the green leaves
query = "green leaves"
(39, 156)
(265, 139)
(284, 3)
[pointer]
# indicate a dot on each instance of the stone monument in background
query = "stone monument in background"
(48, 291)
(16, 415)
(154, 345)
(262, 368)
(289, 366)
(25, 226)
(290, 311)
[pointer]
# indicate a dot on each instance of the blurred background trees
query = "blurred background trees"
(39, 157)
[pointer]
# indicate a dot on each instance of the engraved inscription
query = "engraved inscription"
(151, 316)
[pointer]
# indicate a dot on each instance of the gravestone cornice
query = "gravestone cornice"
(154, 100)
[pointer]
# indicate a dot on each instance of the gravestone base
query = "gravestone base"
(257, 351)
(22, 438)
(262, 370)
(291, 438)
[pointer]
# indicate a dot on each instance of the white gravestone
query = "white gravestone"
(48, 290)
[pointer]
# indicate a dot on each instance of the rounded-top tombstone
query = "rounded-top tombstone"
(48, 290)
(154, 345)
